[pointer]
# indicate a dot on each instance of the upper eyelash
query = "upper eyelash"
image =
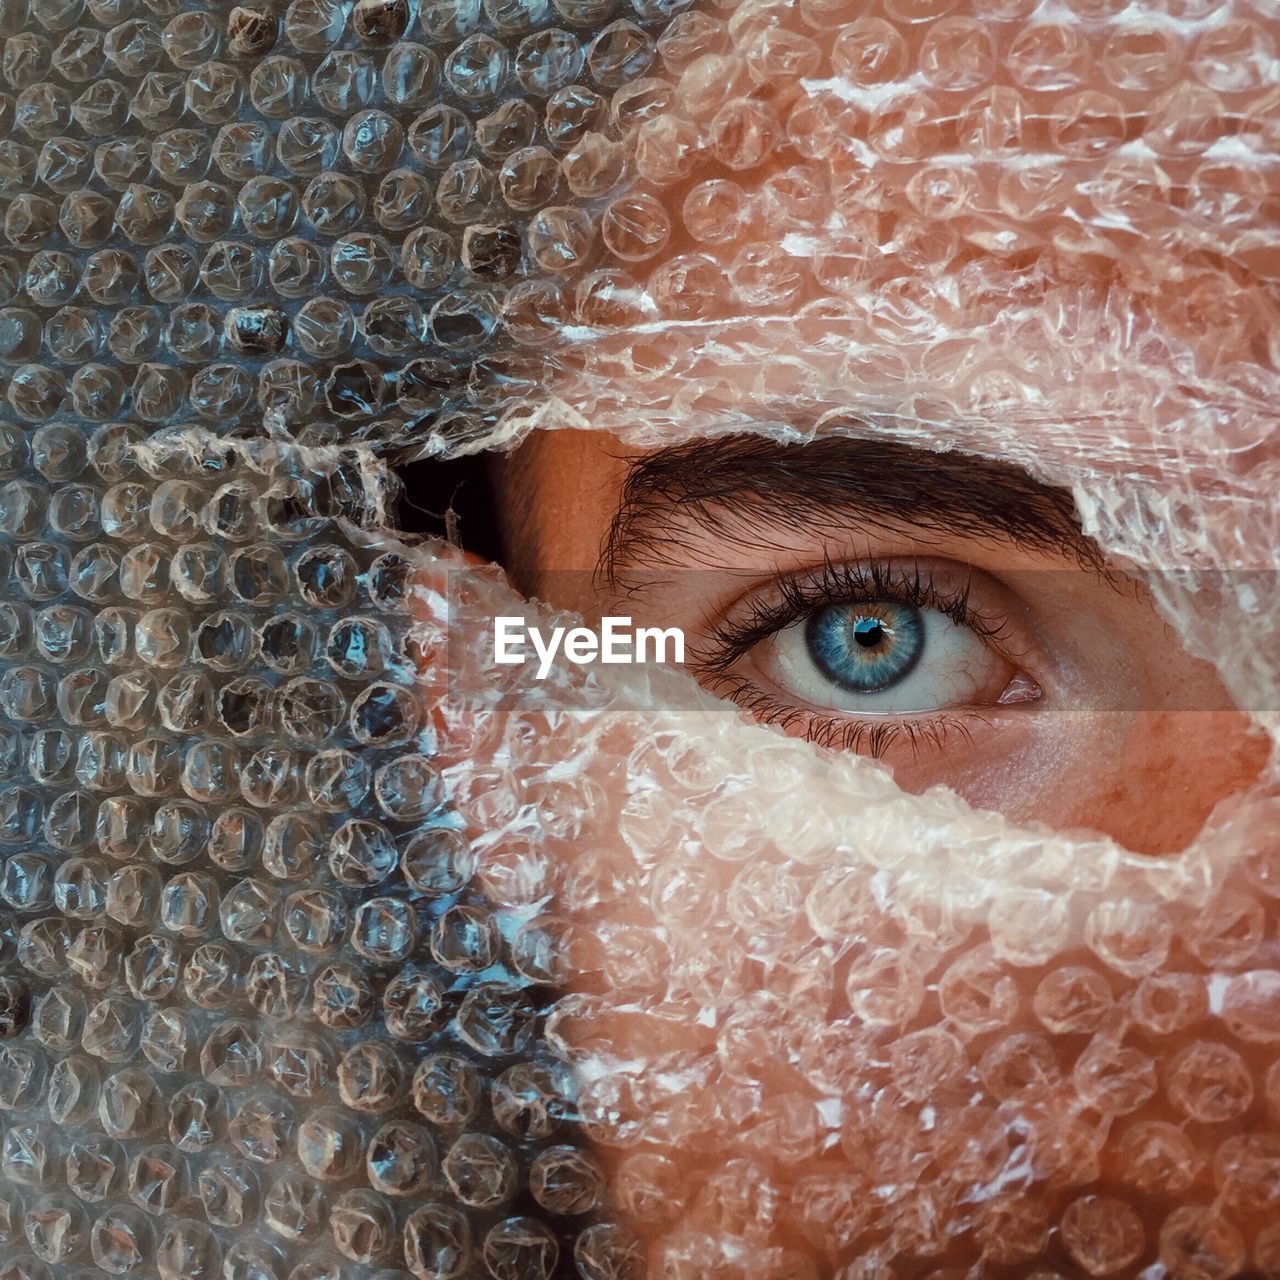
(834, 583)
(839, 582)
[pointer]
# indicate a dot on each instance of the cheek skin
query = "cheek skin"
(1149, 771)
(1149, 780)
(1156, 775)
(1178, 766)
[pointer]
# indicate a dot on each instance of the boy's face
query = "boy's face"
(992, 294)
(998, 654)
(942, 423)
(984, 301)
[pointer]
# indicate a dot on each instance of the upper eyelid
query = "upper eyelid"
(985, 624)
(630, 577)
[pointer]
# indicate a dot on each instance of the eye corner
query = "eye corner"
(1020, 690)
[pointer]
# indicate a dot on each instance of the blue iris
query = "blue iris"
(867, 646)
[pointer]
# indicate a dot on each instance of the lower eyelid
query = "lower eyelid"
(863, 737)
(873, 738)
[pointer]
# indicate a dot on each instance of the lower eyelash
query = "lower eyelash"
(871, 738)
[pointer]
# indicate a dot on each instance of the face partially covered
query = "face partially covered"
(938, 612)
(928, 385)
(927, 380)
(823, 1028)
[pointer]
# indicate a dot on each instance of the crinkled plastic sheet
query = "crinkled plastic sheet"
(328, 949)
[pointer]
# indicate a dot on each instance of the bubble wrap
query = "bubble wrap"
(332, 950)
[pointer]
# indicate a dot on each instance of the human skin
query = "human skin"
(708, 1007)
(992, 1041)
(1117, 743)
(1048, 311)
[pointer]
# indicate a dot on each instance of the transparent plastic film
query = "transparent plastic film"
(332, 945)
(823, 1028)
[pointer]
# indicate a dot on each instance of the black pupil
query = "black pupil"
(868, 632)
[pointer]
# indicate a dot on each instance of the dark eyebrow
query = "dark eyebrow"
(733, 485)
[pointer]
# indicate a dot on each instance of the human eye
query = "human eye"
(863, 655)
